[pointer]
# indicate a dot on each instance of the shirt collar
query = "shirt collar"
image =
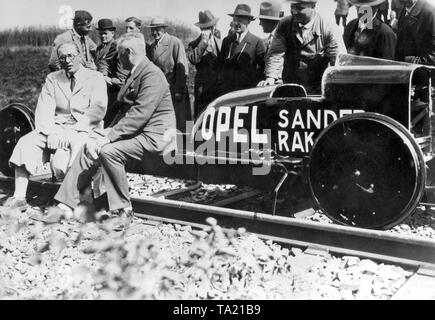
(242, 35)
(134, 68)
(408, 10)
(75, 32)
(159, 42)
(308, 25)
(78, 74)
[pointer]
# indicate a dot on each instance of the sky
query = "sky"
(21, 13)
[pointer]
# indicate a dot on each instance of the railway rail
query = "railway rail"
(381, 246)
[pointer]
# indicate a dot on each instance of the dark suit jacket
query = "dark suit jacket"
(379, 42)
(241, 66)
(146, 110)
(170, 57)
(416, 34)
(206, 64)
(397, 6)
(106, 60)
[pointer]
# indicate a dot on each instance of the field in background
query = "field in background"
(44, 36)
(23, 70)
(24, 55)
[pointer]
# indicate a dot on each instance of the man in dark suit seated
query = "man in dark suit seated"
(145, 125)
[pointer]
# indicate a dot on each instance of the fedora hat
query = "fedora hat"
(369, 3)
(270, 10)
(242, 10)
(105, 24)
(302, 1)
(206, 19)
(157, 22)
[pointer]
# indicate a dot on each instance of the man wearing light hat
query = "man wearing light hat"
(203, 54)
(168, 53)
(369, 36)
(79, 35)
(241, 62)
(307, 43)
(106, 60)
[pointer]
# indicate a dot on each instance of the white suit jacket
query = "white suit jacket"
(84, 107)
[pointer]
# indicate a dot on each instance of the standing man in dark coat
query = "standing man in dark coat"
(106, 60)
(168, 53)
(377, 40)
(383, 9)
(416, 33)
(203, 54)
(241, 63)
(397, 5)
(79, 35)
(341, 12)
(145, 126)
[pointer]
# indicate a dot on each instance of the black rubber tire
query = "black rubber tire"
(16, 120)
(366, 170)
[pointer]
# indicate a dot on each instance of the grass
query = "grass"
(23, 71)
(25, 53)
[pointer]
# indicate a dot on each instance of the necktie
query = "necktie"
(234, 45)
(83, 41)
(73, 83)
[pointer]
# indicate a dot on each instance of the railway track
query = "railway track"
(315, 238)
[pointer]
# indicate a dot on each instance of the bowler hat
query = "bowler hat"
(105, 24)
(82, 16)
(157, 22)
(206, 19)
(369, 3)
(270, 10)
(242, 10)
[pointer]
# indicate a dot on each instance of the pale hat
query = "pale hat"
(157, 22)
(271, 10)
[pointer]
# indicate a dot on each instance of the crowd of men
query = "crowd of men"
(105, 106)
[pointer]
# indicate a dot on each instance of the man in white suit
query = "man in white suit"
(73, 101)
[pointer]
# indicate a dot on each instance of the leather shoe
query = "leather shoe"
(13, 203)
(123, 213)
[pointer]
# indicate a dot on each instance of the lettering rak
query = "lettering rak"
(300, 129)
